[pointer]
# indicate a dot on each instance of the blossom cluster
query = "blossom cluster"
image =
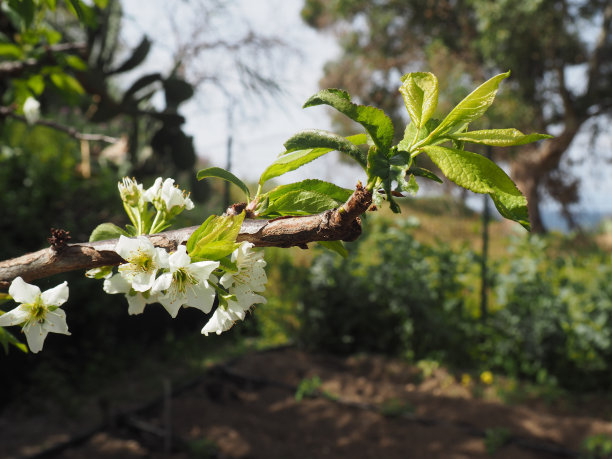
(150, 275)
(167, 199)
(234, 276)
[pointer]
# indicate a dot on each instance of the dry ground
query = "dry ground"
(248, 409)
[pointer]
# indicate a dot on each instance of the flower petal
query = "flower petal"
(136, 304)
(22, 292)
(116, 284)
(35, 334)
(55, 322)
(179, 259)
(55, 296)
(201, 296)
(143, 281)
(15, 316)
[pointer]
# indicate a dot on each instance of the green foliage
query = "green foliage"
(549, 321)
(496, 438)
(215, 238)
(225, 175)
(106, 231)
(308, 388)
(303, 198)
(394, 407)
(598, 446)
(481, 175)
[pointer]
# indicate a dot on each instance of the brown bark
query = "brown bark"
(535, 162)
(341, 224)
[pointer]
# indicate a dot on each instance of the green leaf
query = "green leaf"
(376, 123)
(420, 93)
(291, 161)
(412, 135)
(106, 231)
(75, 62)
(37, 84)
(83, 12)
(7, 338)
(335, 246)
(481, 175)
(333, 191)
(9, 50)
(425, 173)
(379, 166)
(300, 202)
(304, 198)
(499, 137)
(215, 238)
(66, 83)
(470, 108)
(225, 175)
(317, 138)
(25, 9)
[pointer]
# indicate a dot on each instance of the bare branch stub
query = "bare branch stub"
(341, 224)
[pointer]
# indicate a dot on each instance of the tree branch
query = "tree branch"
(15, 68)
(341, 224)
(72, 132)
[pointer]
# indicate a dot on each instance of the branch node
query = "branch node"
(59, 239)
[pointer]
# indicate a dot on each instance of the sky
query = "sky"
(259, 129)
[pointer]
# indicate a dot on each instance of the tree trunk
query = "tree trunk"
(535, 163)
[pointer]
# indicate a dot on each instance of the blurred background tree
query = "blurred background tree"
(559, 51)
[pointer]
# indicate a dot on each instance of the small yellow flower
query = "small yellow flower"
(486, 377)
(465, 379)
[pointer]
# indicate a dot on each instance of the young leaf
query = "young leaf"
(335, 246)
(420, 93)
(215, 238)
(106, 231)
(481, 175)
(379, 167)
(290, 162)
(376, 123)
(304, 198)
(412, 135)
(425, 173)
(317, 138)
(333, 191)
(470, 108)
(225, 175)
(499, 137)
(300, 202)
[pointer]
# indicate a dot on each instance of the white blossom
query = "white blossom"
(186, 283)
(31, 110)
(165, 195)
(250, 277)
(38, 313)
(131, 191)
(224, 317)
(143, 261)
(136, 300)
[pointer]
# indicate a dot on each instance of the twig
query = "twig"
(13, 68)
(72, 132)
(341, 224)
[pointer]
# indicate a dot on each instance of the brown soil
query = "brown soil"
(249, 410)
